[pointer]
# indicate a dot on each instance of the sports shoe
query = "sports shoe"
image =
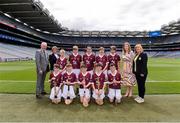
(137, 98)
(140, 100)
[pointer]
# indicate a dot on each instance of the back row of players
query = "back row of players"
(91, 72)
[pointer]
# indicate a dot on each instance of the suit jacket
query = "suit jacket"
(141, 64)
(52, 60)
(41, 59)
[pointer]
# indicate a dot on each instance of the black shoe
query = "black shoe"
(43, 93)
(38, 97)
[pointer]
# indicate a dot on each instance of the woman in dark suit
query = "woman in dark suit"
(53, 57)
(140, 70)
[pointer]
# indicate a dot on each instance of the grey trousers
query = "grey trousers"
(40, 82)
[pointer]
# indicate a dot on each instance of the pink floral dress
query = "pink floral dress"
(128, 78)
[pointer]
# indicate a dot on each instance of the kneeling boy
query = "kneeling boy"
(56, 82)
(114, 79)
(98, 80)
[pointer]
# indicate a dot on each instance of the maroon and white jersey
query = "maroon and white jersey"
(117, 77)
(75, 60)
(113, 58)
(58, 78)
(102, 60)
(86, 77)
(61, 62)
(98, 80)
(89, 61)
(71, 77)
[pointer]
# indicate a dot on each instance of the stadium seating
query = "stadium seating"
(10, 52)
(13, 33)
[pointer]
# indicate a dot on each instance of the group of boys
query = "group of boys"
(90, 73)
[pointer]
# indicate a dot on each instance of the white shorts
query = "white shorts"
(76, 71)
(52, 94)
(68, 93)
(95, 96)
(114, 93)
(84, 92)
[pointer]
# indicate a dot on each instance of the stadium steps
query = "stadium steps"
(6, 55)
(18, 49)
(9, 52)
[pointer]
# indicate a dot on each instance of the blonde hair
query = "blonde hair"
(140, 46)
(75, 47)
(129, 47)
(54, 47)
(62, 50)
(113, 48)
(101, 48)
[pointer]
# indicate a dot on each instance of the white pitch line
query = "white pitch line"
(17, 81)
(163, 81)
(26, 81)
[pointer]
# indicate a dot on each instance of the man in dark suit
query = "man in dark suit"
(53, 57)
(141, 71)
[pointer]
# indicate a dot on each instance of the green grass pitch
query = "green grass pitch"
(18, 102)
(20, 77)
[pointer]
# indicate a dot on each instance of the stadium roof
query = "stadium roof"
(104, 33)
(171, 29)
(32, 13)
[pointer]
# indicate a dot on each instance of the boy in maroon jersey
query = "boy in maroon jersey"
(89, 59)
(69, 80)
(75, 59)
(56, 82)
(114, 58)
(62, 61)
(84, 79)
(114, 79)
(98, 80)
(102, 59)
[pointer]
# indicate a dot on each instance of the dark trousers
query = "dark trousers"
(141, 85)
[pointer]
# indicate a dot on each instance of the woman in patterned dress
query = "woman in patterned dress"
(128, 78)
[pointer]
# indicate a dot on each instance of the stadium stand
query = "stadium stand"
(28, 23)
(9, 52)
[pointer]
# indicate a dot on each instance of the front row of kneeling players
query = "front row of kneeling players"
(96, 82)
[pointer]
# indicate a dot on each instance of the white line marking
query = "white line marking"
(17, 81)
(163, 81)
